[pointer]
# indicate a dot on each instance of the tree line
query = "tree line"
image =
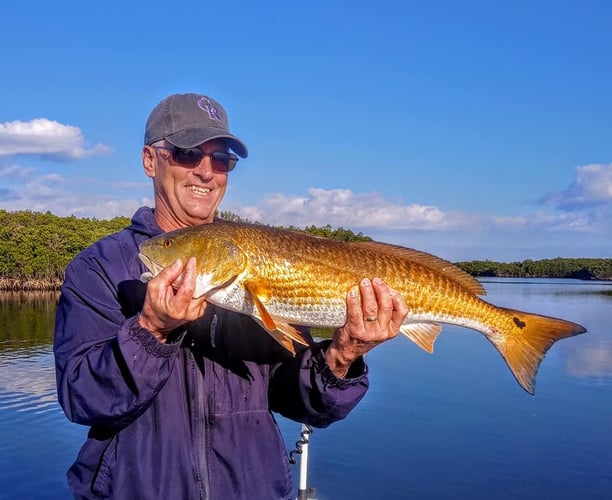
(36, 247)
(581, 268)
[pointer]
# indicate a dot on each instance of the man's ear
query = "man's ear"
(148, 161)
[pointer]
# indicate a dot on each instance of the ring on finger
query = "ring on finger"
(370, 318)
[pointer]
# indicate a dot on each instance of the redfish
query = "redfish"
(283, 278)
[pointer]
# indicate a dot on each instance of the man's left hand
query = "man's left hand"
(375, 313)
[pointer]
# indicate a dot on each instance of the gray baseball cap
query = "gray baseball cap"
(188, 120)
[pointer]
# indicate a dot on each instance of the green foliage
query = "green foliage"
(339, 234)
(230, 216)
(35, 249)
(584, 269)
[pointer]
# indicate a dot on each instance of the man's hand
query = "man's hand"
(166, 308)
(372, 320)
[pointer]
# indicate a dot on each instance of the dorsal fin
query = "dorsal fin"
(442, 266)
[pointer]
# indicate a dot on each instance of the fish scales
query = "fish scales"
(316, 271)
(283, 278)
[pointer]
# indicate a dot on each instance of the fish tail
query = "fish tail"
(524, 347)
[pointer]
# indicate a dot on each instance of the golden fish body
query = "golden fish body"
(283, 278)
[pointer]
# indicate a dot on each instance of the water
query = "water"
(449, 425)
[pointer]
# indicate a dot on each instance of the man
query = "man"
(179, 393)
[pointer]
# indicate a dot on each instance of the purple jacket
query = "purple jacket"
(189, 419)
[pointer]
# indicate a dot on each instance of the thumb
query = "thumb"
(170, 274)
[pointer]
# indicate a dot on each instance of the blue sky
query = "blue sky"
(468, 129)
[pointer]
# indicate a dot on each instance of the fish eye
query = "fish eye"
(168, 243)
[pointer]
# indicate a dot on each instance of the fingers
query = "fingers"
(354, 312)
(375, 313)
(169, 301)
(400, 309)
(376, 309)
(376, 302)
(167, 276)
(186, 282)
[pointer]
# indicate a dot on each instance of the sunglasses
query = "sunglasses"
(192, 157)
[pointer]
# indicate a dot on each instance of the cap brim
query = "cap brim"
(193, 137)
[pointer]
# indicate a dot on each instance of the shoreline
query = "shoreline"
(29, 285)
(41, 285)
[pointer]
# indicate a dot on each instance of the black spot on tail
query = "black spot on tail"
(519, 323)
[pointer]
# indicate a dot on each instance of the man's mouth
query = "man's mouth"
(199, 190)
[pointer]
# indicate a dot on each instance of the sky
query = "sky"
(467, 129)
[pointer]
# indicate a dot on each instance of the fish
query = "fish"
(285, 278)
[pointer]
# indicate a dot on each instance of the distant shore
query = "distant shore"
(36, 248)
(42, 285)
(29, 285)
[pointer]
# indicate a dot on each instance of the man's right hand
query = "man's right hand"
(169, 301)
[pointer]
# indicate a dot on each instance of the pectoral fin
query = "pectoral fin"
(280, 330)
(422, 334)
(280, 337)
(289, 331)
(258, 291)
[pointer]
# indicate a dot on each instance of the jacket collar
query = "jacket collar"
(143, 221)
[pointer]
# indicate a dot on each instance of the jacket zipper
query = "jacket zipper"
(201, 451)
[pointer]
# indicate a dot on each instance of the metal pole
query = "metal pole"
(303, 483)
(302, 449)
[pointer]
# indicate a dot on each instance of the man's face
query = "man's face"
(184, 195)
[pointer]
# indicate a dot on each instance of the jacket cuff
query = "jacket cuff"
(355, 374)
(146, 339)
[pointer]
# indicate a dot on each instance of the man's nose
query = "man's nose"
(205, 167)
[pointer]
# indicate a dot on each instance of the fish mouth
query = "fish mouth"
(153, 266)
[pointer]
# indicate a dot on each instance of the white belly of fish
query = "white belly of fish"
(325, 315)
(236, 298)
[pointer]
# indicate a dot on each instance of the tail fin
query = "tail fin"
(525, 346)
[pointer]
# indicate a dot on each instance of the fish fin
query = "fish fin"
(448, 269)
(290, 331)
(273, 325)
(524, 347)
(255, 289)
(422, 334)
(281, 338)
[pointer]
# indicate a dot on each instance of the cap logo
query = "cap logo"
(205, 105)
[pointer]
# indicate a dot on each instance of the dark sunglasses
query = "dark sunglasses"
(191, 157)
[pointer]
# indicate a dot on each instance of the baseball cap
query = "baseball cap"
(188, 120)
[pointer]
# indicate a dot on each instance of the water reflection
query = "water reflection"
(26, 319)
(588, 303)
(590, 356)
(442, 416)
(595, 362)
(27, 379)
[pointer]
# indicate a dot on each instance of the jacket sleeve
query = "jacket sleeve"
(306, 390)
(108, 368)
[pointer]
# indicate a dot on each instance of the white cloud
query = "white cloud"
(456, 235)
(548, 231)
(366, 211)
(45, 186)
(52, 192)
(591, 187)
(343, 207)
(65, 203)
(47, 139)
(15, 172)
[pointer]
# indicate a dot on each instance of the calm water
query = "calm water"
(449, 425)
